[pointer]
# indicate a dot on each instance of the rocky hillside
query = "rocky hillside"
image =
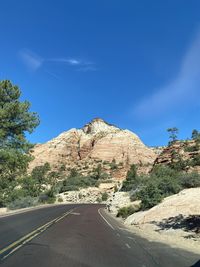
(184, 153)
(96, 143)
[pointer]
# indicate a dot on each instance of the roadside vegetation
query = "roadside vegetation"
(75, 180)
(124, 212)
(164, 180)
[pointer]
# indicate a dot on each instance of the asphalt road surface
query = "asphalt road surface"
(80, 236)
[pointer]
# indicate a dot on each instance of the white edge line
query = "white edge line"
(105, 219)
(128, 245)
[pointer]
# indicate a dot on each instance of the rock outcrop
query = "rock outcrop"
(183, 204)
(96, 143)
(185, 151)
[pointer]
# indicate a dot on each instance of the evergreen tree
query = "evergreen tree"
(15, 121)
(195, 134)
(173, 134)
(131, 179)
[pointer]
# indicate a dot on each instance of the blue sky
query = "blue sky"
(135, 64)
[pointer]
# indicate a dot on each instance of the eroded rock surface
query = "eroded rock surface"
(96, 143)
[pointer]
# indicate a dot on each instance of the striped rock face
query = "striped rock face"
(96, 143)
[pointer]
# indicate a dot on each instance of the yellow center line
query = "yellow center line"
(23, 240)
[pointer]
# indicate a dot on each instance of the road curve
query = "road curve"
(80, 236)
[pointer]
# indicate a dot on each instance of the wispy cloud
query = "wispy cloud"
(33, 61)
(183, 89)
(68, 61)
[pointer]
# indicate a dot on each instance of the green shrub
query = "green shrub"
(97, 172)
(115, 189)
(105, 181)
(60, 199)
(164, 181)
(73, 173)
(132, 179)
(113, 165)
(189, 180)
(125, 212)
(62, 168)
(195, 161)
(150, 196)
(162, 171)
(73, 183)
(177, 163)
(51, 200)
(23, 203)
(169, 186)
(104, 196)
(99, 200)
(191, 148)
(39, 173)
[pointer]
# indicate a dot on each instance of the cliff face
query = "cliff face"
(96, 143)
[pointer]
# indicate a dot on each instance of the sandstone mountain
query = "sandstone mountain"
(96, 143)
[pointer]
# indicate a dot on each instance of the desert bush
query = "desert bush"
(115, 189)
(51, 200)
(99, 200)
(113, 165)
(23, 203)
(132, 179)
(162, 182)
(105, 181)
(60, 199)
(189, 180)
(45, 198)
(73, 183)
(150, 195)
(191, 148)
(104, 196)
(195, 161)
(178, 163)
(124, 212)
(39, 173)
(75, 180)
(62, 168)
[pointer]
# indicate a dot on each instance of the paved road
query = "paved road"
(80, 236)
